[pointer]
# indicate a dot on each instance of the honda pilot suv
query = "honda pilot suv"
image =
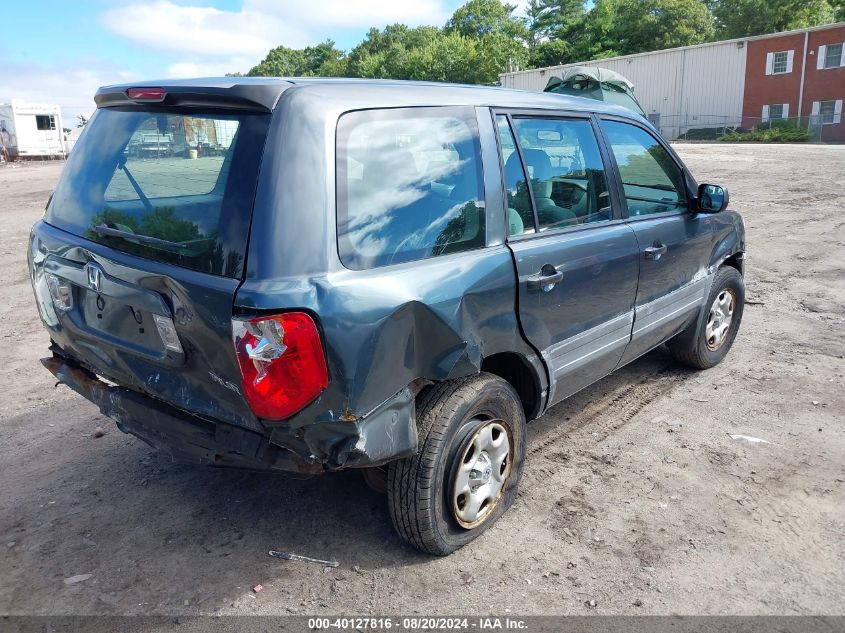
(312, 275)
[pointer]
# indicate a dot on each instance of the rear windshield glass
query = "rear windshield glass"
(176, 187)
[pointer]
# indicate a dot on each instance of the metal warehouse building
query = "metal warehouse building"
(797, 75)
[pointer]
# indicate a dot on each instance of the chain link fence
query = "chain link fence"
(711, 127)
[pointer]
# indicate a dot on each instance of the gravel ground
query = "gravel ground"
(635, 497)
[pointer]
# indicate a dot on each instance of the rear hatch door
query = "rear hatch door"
(142, 248)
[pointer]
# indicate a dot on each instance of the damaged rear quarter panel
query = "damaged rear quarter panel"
(385, 327)
(382, 328)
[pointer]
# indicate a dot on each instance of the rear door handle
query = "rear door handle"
(545, 279)
(656, 251)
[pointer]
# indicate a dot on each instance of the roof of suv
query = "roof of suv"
(263, 93)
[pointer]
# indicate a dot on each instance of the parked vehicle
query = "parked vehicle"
(30, 130)
(379, 275)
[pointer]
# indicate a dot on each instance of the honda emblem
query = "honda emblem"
(94, 275)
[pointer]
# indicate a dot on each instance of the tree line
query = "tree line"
(484, 38)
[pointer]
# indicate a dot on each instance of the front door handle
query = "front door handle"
(545, 279)
(656, 251)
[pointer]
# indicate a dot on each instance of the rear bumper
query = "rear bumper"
(387, 433)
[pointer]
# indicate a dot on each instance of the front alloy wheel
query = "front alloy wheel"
(719, 319)
(706, 341)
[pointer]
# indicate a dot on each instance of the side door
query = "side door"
(675, 242)
(575, 256)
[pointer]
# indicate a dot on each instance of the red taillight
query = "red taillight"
(145, 94)
(282, 363)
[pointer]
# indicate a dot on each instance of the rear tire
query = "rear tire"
(707, 341)
(468, 464)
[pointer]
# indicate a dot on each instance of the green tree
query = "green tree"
(444, 57)
(478, 18)
(555, 18)
(322, 60)
(599, 26)
(499, 37)
(498, 53)
(279, 62)
(384, 54)
(647, 25)
(556, 27)
(551, 53)
(743, 18)
(534, 24)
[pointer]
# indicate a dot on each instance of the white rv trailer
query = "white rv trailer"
(30, 130)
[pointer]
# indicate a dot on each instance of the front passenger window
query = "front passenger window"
(652, 180)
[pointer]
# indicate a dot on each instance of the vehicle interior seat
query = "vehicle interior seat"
(515, 224)
(540, 167)
(548, 213)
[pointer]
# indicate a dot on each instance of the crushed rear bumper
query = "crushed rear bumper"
(387, 433)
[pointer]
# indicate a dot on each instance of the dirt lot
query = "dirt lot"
(634, 496)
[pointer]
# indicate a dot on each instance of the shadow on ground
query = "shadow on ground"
(157, 536)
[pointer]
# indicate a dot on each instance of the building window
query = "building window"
(775, 111)
(779, 62)
(833, 56)
(830, 56)
(45, 122)
(827, 111)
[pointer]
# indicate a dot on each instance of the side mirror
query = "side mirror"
(712, 198)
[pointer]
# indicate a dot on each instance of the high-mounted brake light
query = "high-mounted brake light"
(282, 363)
(145, 94)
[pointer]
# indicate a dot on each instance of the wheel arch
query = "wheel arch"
(523, 376)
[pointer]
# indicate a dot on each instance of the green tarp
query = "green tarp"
(596, 83)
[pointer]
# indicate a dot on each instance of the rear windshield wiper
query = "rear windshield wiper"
(121, 164)
(105, 230)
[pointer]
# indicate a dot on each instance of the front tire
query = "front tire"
(467, 468)
(707, 341)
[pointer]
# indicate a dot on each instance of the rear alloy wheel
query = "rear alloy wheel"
(467, 467)
(480, 472)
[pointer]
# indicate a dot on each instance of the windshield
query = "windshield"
(176, 187)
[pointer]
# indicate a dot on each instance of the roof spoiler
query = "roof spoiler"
(234, 96)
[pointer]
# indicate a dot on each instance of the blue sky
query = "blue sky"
(60, 51)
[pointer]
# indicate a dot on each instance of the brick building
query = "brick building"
(799, 74)
(748, 82)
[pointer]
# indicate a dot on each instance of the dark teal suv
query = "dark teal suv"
(309, 275)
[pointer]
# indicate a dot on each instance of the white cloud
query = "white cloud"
(204, 41)
(259, 25)
(196, 30)
(184, 69)
(72, 86)
(209, 41)
(353, 13)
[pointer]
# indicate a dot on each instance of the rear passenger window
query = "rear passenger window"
(652, 180)
(565, 170)
(520, 213)
(567, 175)
(409, 185)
